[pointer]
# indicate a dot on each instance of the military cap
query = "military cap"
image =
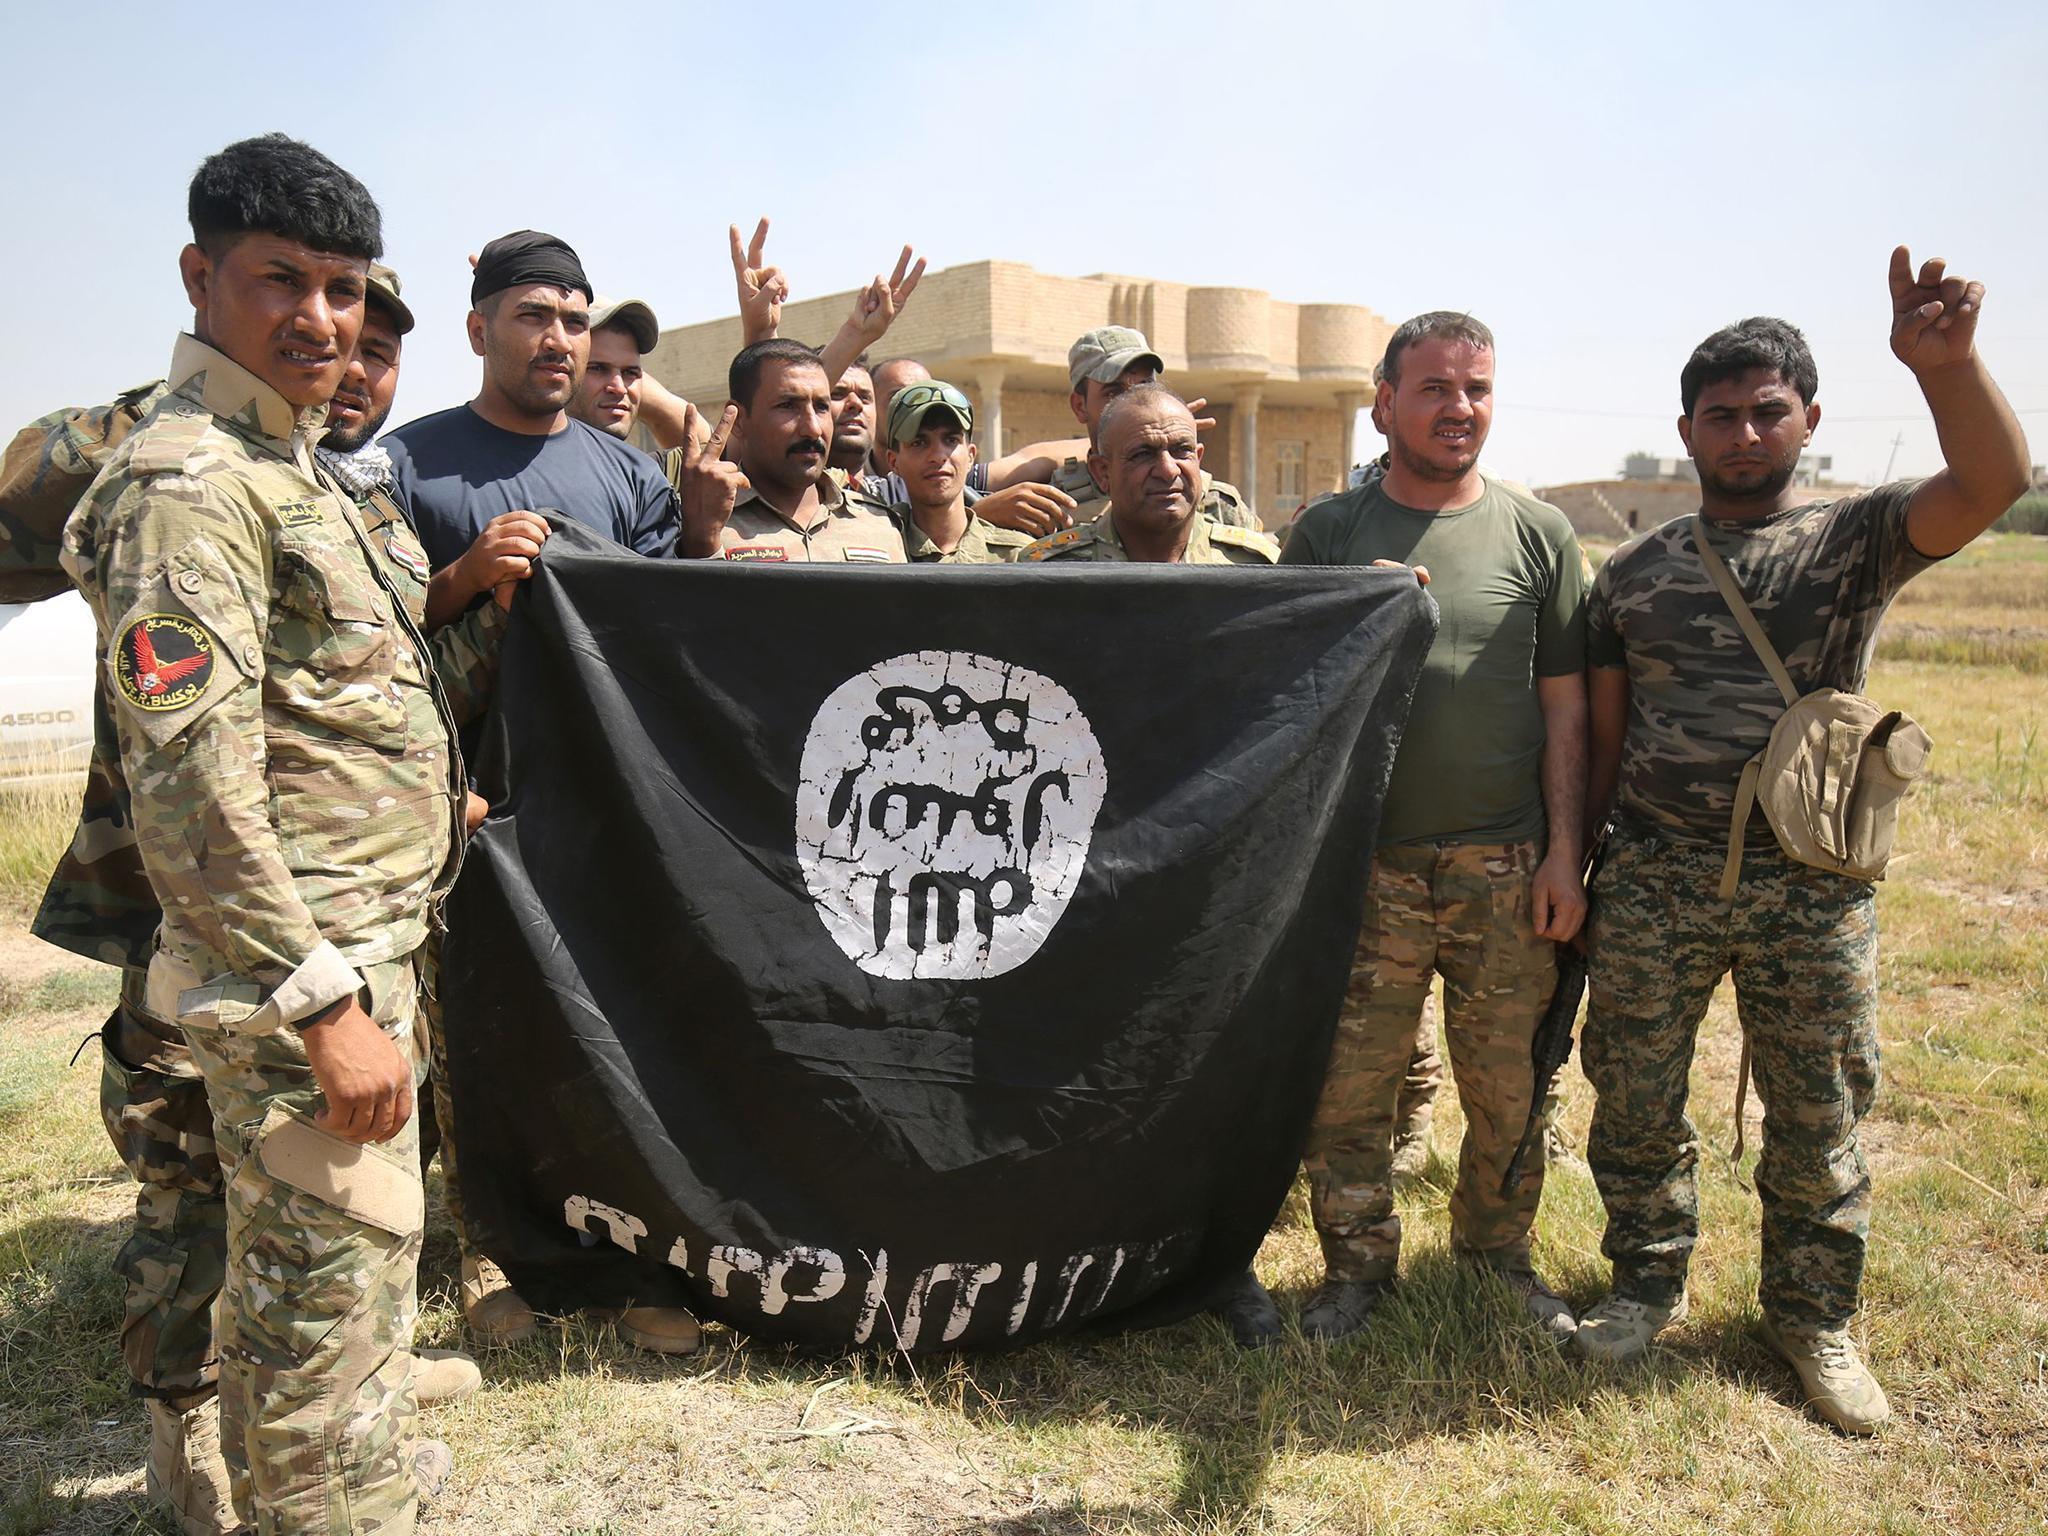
(383, 286)
(914, 402)
(636, 315)
(1104, 354)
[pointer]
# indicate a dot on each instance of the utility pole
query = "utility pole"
(1891, 459)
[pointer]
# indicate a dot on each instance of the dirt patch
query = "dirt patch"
(26, 959)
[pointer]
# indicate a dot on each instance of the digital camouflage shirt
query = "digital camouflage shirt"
(297, 801)
(1209, 543)
(1700, 703)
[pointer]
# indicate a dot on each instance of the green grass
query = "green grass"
(36, 821)
(1447, 1415)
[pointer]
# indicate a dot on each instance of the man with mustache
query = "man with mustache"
(1476, 876)
(778, 504)
(515, 448)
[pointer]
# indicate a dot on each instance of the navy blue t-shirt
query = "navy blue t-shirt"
(456, 472)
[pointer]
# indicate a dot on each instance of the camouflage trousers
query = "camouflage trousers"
(1802, 946)
(437, 1109)
(317, 1312)
(154, 1104)
(1416, 1105)
(1461, 911)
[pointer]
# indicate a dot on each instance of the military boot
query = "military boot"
(1838, 1385)
(1411, 1148)
(659, 1330)
(185, 1472)
(1546, 1308)
(1620, 1328)
(1340, 1308)
(1248, 1311)
(494, 1311)
(443, 1376)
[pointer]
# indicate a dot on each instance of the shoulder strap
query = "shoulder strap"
(1724, 581)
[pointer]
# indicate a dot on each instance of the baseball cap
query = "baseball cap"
(636, 315)
(914, 402)
(383, 286)
(1104, 354)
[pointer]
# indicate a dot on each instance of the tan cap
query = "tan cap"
(634, 314)
(383, 286)
(1104, 354)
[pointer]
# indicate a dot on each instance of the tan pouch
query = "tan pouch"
(1832, 775)
(374, 1185)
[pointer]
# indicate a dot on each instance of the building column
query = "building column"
(1349, 403)
(1245, 460)
(988, 421)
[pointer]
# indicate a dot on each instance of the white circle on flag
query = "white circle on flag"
(943, 813)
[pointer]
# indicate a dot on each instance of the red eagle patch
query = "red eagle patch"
(163, 661)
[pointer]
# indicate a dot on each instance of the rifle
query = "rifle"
(1552, 1046)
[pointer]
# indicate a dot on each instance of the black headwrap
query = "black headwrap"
(527, 256)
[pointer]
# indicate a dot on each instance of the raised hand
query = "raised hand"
(761, 288)
(876, 306)
(1195, 408)
(709, 486)
(1934, 315)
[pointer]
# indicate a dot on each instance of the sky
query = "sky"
(1602, 184)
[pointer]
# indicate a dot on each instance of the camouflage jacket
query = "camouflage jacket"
(1209, 543)
(1223, 501)
(982, 543)
(43, 472)
(297, 796)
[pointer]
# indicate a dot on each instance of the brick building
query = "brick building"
(1285, 382)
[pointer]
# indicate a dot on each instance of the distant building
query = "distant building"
(1814, 469)
(1284, 381)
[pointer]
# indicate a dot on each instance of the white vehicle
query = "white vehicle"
(46, 679)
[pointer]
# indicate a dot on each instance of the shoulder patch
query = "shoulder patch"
(163, 661)
(1053, 543)
(299, 514)
(1259, 543)
(168, 439)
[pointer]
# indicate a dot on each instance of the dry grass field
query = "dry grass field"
(1448, 1415)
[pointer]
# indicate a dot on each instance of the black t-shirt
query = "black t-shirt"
(456, 472)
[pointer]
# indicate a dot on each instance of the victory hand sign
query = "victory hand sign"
(761, 288)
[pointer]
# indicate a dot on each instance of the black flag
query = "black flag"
(936, 957)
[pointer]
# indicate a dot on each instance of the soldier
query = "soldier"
(1476, 875)
(1147, 453)
(617, 393)
(1156, 506)
(99, 905)
(1681, 700)
(1100, 366)
(779, 503)
(929, 451)
(244, 613)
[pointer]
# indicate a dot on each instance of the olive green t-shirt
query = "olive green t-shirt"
(1510, 584)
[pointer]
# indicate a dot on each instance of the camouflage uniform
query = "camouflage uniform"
(1209, 543)
(99, 905)
(982, 543)
(1801, 943)
(299, 815)
(1221, 500)
(1460, 910)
